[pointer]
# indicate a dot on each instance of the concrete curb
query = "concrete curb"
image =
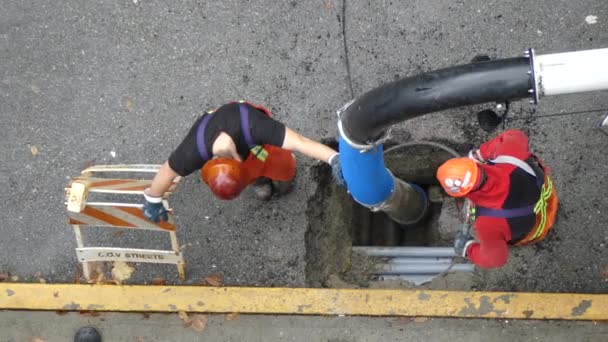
(303, 301)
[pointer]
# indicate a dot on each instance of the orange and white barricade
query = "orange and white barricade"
(84, 213)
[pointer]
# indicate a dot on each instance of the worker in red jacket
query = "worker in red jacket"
(513, 197)
(234, 146)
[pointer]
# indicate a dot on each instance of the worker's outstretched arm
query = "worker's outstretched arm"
(162, 181)
(308, 147)
(313, 149)
(492, 250)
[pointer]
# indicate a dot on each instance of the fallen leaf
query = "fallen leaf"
(198, 322)
(146, 315)
(37, 339)
(405, 320)
(77, 274)
(183, 247)
(159, 281)
(183, 316)
(56, 294)
(329, 5)
(88, 313)
(117, 233)
(129, 104)
(232, 316)
(97, 274)
(4, 276)
(121, 272)
(35, 89)
(214, 279)
(604, 274)
(61, 312)
(34, 150)
(97, 277)
(421, 319)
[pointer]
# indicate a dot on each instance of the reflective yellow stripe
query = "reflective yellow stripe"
(260, 152)
(541, 207)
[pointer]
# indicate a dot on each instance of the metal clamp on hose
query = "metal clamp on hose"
(362, 147)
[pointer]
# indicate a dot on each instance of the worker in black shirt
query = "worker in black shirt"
(236, 145)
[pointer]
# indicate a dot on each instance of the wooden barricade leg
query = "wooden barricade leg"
(86, 269)
(181, 266)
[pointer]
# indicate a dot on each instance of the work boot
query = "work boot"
(262, 188)
(283, 187)
(87, 334)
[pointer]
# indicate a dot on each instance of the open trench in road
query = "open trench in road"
(337, 223)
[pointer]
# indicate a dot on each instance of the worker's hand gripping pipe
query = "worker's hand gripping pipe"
(373, 186)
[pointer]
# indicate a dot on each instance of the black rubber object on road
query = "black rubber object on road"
(480, 58)
(488, 120)
(87, 334)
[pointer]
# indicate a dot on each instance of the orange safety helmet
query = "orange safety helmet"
(225, 177)
(459, 176)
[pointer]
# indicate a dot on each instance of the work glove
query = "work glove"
(153, 209)
(475, 154)
(462, 242)
(336, 169)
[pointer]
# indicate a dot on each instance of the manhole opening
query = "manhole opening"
(337, 222)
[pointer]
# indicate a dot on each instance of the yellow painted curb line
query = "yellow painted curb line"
(304, 301)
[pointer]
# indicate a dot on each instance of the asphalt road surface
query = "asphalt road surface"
(122, 81)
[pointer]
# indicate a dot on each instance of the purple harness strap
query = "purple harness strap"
(505, 213)
(245, 124)
(200, 137)
(200, 131)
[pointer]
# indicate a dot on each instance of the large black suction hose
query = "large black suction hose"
(369, 116)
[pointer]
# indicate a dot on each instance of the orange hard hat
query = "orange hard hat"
(225, 177)
(459, 176)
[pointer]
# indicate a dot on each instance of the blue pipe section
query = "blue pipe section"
(367, 179)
